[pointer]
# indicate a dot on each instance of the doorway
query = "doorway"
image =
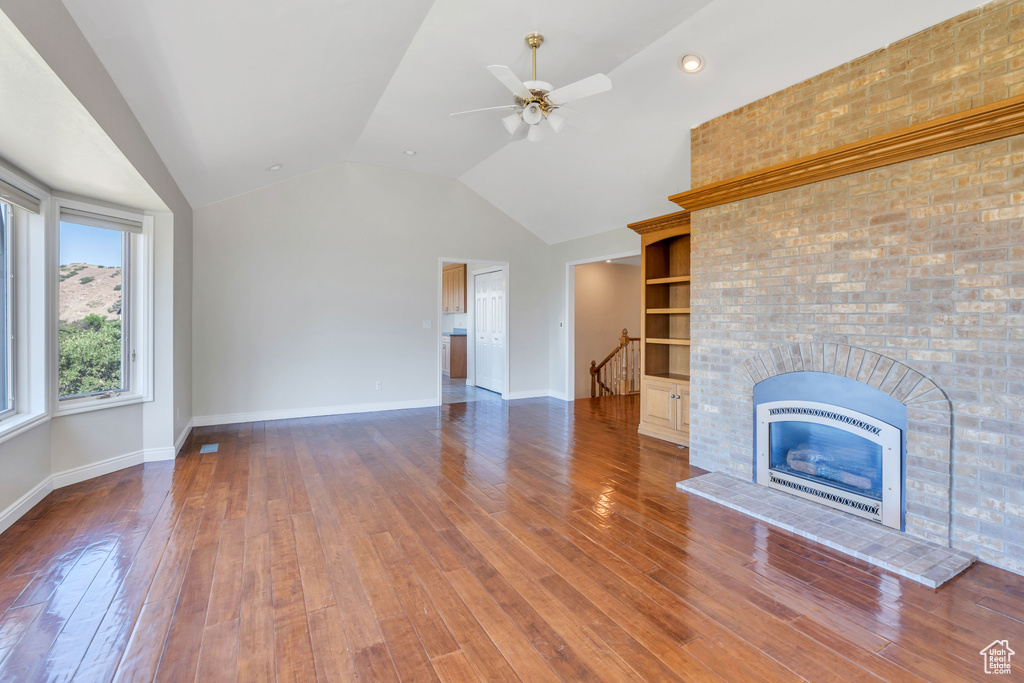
(477, 334)
(607, 303)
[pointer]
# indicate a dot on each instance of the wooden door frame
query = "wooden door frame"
(569, 389)
(482, 265)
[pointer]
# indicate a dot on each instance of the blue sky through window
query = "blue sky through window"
(95, 246)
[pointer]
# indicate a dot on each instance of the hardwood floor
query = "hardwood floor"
(532, 540)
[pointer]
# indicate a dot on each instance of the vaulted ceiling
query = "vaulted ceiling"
(227, 88)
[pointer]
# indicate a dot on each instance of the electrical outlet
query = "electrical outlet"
(426, 324)
(380, 385)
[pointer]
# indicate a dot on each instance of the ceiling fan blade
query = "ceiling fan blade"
(510, 81)
(475, 111)
(580, 89)
(520, 133)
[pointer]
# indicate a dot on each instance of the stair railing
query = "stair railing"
(619, 372)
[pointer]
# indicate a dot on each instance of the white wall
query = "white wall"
(158, 415)
(87, 438)
(310, 291)
(607, 297)
(25, 463)
(449, 321)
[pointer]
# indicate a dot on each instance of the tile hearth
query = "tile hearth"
(901, 553)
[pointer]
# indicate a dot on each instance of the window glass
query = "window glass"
(6, 316)
(93, 326)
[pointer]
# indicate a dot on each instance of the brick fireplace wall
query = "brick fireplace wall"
(921, 262)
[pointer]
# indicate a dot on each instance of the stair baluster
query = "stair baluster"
(619, 372)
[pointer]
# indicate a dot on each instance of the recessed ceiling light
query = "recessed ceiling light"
(410, 152)
(275, 167)
(691, 63)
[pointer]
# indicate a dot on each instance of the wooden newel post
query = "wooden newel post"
(624, 339)
(593, 378)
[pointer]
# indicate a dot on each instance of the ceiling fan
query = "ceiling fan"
(535, 102)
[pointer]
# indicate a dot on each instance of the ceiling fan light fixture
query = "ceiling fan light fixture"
(691, 63)
(532, 114)
(535, 134)
(512, 123)
(556, 120)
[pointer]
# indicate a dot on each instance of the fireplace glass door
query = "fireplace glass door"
(827, 455)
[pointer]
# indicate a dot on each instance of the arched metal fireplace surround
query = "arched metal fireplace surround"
(832, 440)
(855, 430)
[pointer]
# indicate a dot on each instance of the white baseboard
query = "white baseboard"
(292, 413)
(560, 395)
(158, 454)
(180, 441)
(96, 469)
(538, 393)
(18, 508)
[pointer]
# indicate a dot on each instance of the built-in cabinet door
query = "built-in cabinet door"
(446, 291)
(659, 404)
(683, 411)
(446, 356)
(459, 289)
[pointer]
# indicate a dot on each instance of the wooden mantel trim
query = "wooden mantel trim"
(971, 127)
(672, 220)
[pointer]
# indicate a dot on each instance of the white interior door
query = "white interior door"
(490, 330)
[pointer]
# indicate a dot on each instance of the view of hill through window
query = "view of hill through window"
(91, 294)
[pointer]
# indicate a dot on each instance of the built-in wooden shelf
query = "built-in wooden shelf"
(670, 376)
(665, 338)
(971, 127)
(668, 280)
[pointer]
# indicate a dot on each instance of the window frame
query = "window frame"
(137, 314)
(28, 301)
(9, 312)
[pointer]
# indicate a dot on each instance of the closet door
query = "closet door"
(490, 301)
(483, 329)
(497, 351)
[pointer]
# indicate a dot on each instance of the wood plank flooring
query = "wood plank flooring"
(533, 540)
